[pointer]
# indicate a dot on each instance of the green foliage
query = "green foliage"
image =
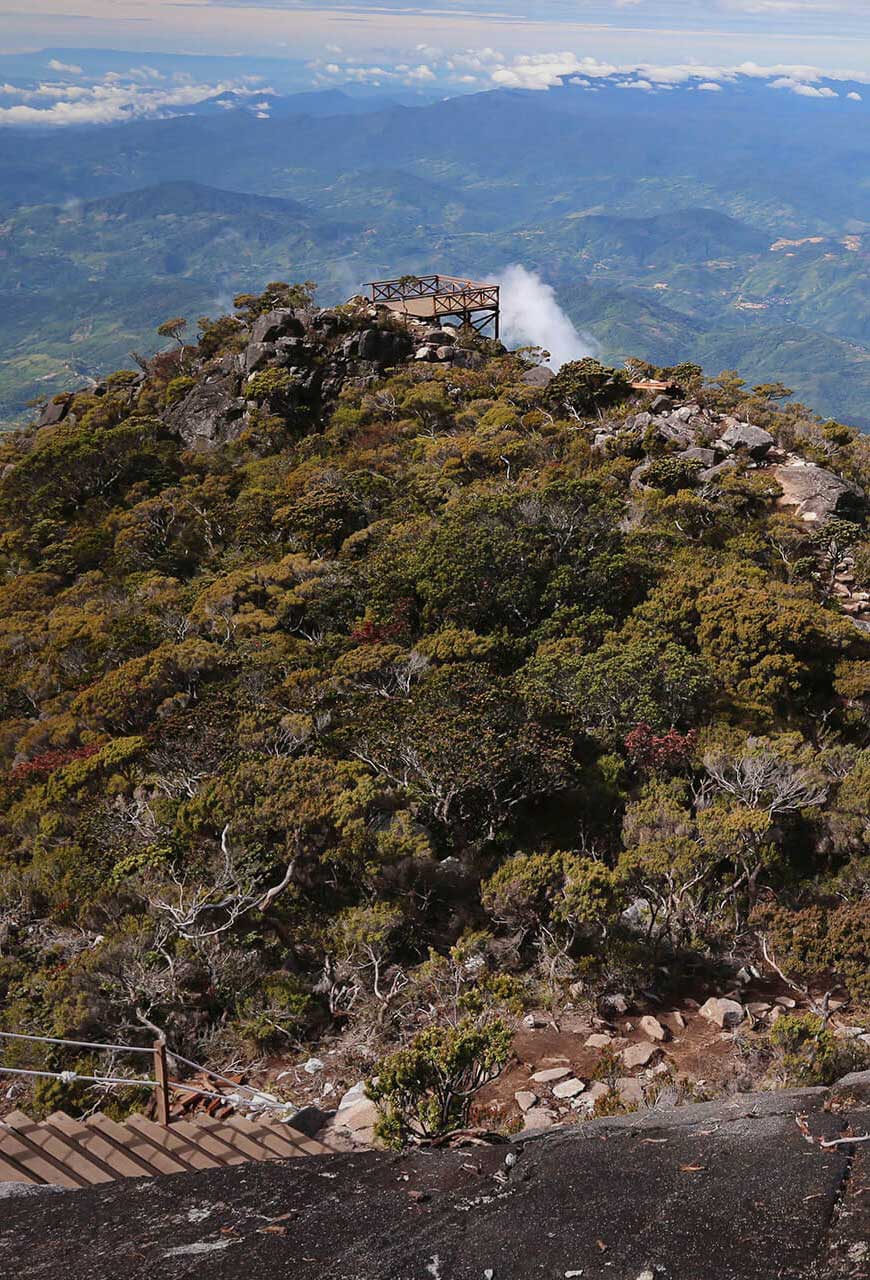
(572, 892)
(177, 389)
(807, 1051)
(585, 386)
(269, 384)
(426, 1089)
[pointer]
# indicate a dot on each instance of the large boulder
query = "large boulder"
(707, 457)
(258, 355)
(210, 414)
(276, 324)
(55, 411)
(744, 436)
(723, 1013)
(384, 346)
(540, 376)
(680, 427)
(466, 359)
(816, 493)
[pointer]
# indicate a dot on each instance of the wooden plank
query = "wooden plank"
(287, 1141)
(276, 1147)
(115, 1155)
(204, 1137)
(12, 1171)
(161, 1160)
(236, 1138)
(61, 1149)
(172, 1141)
(41, 1166)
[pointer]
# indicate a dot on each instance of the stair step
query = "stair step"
(122, 1162)
(138, 1145)
(210, 1142)
(280, 1138)
(172, 1141)
(39, 1164)
(246, 1144)
(63, 1149)
(12, 1171)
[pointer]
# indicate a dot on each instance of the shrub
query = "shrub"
(178, 388)
(426, 1089)
(808, 1053)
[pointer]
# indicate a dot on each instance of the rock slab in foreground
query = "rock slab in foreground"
(722, 1191)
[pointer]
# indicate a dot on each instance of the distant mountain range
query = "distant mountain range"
(728, 226)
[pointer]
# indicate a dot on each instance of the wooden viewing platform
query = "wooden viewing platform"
(441, 297)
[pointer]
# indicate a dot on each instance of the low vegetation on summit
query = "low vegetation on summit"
(359, 684)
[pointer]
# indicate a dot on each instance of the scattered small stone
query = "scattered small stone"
(525, 1099)
(724, 1013)
(568, 1088)
(313, 1066)
(639, 1055)
(786, 1002)
(536, 1119)
(597, 1090)
(630, 1090)
(615, 1003)
(758, 1008)
(679, 1020)
(510, 1159)
(598, 1041)
(551, 1074)
(653, 1028)
(533, 1021)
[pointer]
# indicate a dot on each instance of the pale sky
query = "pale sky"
(832, 33)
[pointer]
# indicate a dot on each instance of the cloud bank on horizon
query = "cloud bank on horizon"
(66, 97)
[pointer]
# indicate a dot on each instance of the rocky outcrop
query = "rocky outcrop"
(729, 1190)
(277, 324)
(323, 351)
(816, 494)
(210, 414)
(55, 411)
(743, 436)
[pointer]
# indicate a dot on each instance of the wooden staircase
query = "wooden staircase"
(64, 1152)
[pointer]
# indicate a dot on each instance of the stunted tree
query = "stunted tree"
(173, 328)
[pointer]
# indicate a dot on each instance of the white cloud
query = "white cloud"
(802, 89)
(69, 67)
(854, 97)
(109, 103)
(710, 86)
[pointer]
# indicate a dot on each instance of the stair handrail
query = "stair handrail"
(258, 1099)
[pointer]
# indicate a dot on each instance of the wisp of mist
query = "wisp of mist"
(531, 316)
